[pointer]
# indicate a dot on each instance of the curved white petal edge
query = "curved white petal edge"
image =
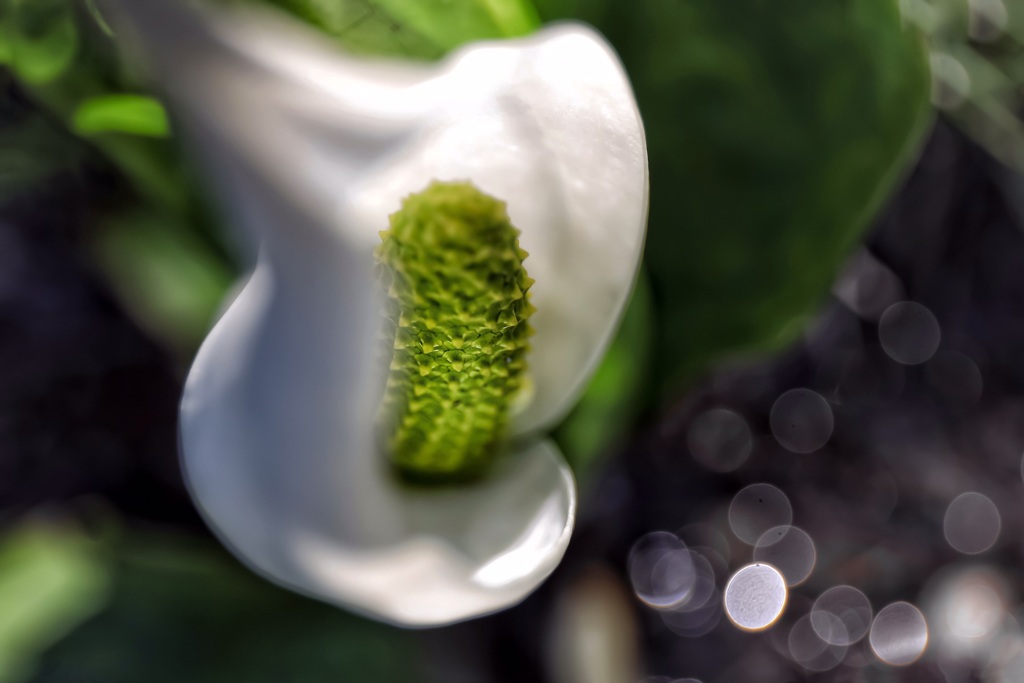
(310, 150)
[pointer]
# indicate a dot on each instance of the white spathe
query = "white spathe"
(311, 150)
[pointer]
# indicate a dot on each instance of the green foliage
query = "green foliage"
(448, 24)
(165, 276)
(458, 323)
(775, 129)
(424, 29)
(38, 41)
(69, 111)
(51, 580)
(183, 611)
(134, 114)
(38, 38)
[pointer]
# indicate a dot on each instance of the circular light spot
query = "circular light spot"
(972, 523)
(801, 420)
(720, 440)
(841, 615)
(967, 610)
(909, 333)
(867, 286)
(755, 597)
(956, 376)
(661, 570)
(756, 509)
(702, 587)
(899, 634)
(788, 549)
(698, 535)
(714, 559)
(810, 651)
(974, 612)
(694, 623)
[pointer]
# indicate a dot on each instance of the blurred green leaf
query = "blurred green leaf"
(448, 24)
(775, 129)
(168, 280)
(425, 29)
(605, 412)
(152, 237)
(38, 38)
(361, 27)
(181, 610)
(51, 580)
(134, 114)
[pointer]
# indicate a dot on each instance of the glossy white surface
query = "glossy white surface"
(310, 150)
(755, 597)
(899, 634)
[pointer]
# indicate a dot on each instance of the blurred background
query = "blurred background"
(821, 369)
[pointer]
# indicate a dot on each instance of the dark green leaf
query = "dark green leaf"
(38, 38)
(775, 129)
(181, 610)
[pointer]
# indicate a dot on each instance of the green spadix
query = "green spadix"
(459, 324)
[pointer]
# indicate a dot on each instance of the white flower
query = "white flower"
(310, 150)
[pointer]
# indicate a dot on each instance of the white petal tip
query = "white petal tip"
(470, 550)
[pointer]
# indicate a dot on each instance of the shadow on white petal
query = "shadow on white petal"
(279, 455)
(521, 518)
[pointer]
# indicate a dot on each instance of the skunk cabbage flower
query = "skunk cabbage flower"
(310, 152)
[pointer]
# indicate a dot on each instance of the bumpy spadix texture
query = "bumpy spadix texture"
(460, 304)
